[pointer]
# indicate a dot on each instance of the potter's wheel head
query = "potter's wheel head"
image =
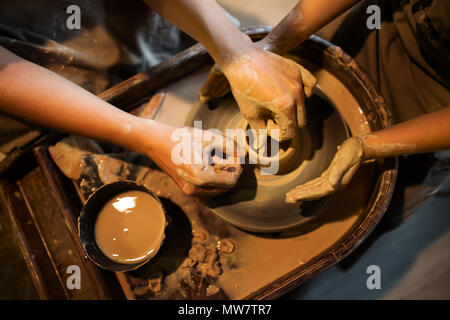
(256, 203)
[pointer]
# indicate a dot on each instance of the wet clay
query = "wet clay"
(68, 153)
(248, 261)
(130, 227)
(238, 262)
(228, 262)
(255, 110)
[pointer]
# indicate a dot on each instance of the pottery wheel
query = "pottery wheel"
(256, 203)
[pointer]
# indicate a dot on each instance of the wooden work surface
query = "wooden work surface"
(45, 205)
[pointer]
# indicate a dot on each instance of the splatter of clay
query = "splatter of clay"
(130, 227)
(126, 128)
(295, 17)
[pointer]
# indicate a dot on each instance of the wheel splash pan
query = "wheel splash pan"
(345, 103)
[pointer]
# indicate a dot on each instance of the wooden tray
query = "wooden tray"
(261, 265)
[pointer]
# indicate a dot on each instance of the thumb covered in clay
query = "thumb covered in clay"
(215, 86)
(309, 83)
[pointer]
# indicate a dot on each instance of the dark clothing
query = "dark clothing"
(408, 57)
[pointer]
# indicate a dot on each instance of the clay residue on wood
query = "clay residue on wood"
(111, 169)
(255, 260)
(241, 262)
(190, 273)
(208, 254)
(68, 153)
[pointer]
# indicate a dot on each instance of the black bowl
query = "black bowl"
(88, 217)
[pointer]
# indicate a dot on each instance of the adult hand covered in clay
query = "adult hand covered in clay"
(209, 175)
(216, 84)
(338, 175)
(269, 89)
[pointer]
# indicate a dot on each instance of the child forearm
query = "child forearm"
(307, 17)
(40, 96)
(427, 133)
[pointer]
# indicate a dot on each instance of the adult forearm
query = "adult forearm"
(307, 17)
(427, 133)
(206, 22)
(38, 95)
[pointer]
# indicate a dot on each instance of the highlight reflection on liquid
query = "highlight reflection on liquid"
(130, 227)
(124, 204)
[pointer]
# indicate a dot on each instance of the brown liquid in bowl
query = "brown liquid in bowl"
(130, 227)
